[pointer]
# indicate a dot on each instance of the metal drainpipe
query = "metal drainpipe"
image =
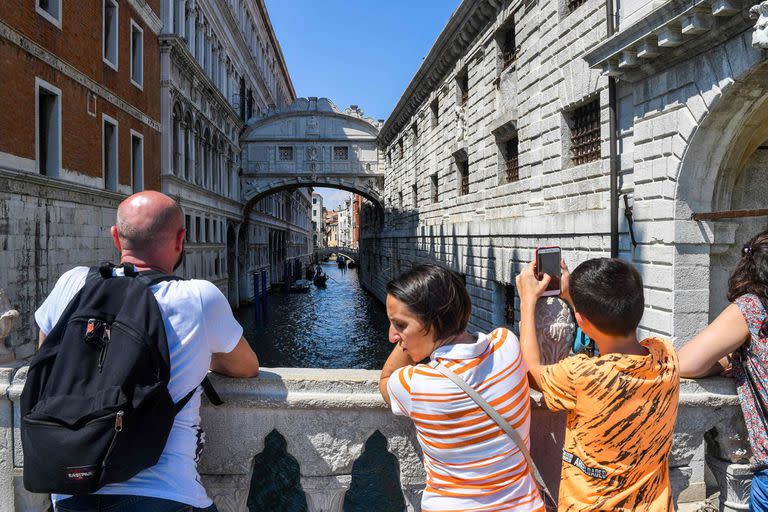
(612, 128)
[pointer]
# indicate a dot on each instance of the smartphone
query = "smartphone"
(548, 262)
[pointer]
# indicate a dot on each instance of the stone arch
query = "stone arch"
(722, 145)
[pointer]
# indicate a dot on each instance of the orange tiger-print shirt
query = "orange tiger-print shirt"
(621, 415)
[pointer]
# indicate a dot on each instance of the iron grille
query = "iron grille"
(513, 166)
(585, 135)
(575, 4)
(509, 50)
(509, 304)
(340, 153)
(286, 153)
(464, 171)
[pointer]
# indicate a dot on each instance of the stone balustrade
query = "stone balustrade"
(328, 418)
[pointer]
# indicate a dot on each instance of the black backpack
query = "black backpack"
(95, 407)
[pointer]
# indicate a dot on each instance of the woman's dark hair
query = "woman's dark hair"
(436, 296)
(609, 292)
(751, 274)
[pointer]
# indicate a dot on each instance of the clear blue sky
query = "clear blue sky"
(356, 52)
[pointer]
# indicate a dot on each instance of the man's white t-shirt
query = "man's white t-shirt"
(198, 322)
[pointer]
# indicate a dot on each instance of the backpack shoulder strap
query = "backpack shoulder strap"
(499, 420)
(152, 277)
(209, 391)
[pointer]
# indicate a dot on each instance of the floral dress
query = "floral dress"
(750, 368)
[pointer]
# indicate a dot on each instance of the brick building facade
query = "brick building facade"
(79, 128)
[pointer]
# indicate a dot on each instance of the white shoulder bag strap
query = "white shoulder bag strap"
(500, 421)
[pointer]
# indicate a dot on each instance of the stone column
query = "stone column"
(181, 27)
(734, 482)
(192, 32)
(325, 493)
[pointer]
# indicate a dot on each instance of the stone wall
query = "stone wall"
(329, 418)
(690, 124)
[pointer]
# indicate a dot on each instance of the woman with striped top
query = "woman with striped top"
(471, 464)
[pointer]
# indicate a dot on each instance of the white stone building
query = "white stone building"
(503, 142)
(318, 227)
(221, 65)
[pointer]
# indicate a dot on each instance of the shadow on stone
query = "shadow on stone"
(375, 483)
(275, 484)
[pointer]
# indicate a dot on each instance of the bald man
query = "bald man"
(202, 333)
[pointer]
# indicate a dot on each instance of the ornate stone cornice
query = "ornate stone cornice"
(147, 15)
(182, 58)
(669, 34)
(67, 69)
(465, 24)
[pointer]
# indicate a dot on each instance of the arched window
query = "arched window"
(176, 140)
(188, 146)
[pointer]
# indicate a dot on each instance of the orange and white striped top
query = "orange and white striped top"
(471, 464)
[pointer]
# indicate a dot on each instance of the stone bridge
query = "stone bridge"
(330, 419)
(311, 143)
(347, 252)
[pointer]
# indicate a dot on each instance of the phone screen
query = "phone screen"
(549, 263)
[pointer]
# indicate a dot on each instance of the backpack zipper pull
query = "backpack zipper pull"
(119, 421)
(105, 343)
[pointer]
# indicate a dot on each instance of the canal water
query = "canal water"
(339, 326)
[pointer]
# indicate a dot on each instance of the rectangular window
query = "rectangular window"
(48, 129)
(207, 234)
(415, 132)
(198, 226)
(415, 195)
(137, 161)
(109, 32)
(109, 144)
(508, 46)
(512, 165)
(137, 55)
(286, 153)
(585, 133)
(575, 4)
(50, 10)
(435, 191)
(340, 153)
(462, 82)
(188, 227)
(400, 146)
(434, 107)
(463, 167)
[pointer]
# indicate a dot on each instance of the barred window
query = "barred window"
(462, 82)
(340, 153)
(508, 46)
(415, 194)
(434, 107)
(463, 166)
(512, 170)
(435, 191)
(400, 149)
(509, 304)
(415, 131)
(286, 153)
(575, 4)
(585, 133)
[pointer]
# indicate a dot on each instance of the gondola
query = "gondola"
(300, 286)
(320, 279)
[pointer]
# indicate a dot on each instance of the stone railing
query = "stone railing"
(329, 419)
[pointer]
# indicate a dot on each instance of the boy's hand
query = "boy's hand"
(530, 288)
(565, 283)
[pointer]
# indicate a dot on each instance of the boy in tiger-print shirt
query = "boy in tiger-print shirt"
(621, 405)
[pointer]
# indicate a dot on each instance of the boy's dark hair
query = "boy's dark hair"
(436, 296)
(609, 293)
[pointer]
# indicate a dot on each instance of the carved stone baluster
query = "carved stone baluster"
(325, 493)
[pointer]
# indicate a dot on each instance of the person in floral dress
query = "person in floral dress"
(739, 337)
